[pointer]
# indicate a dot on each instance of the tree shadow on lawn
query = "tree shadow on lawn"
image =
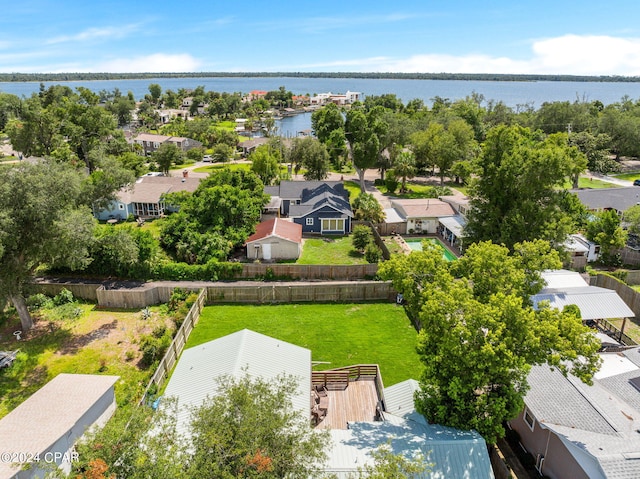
(74, 343)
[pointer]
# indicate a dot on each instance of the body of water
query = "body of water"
(512, 93)
(416, 245)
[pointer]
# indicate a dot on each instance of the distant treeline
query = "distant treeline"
(58, 77)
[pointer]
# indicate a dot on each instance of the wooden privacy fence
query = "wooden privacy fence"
(629, 295)
(340, 272)
(177, 345)
(296, 292)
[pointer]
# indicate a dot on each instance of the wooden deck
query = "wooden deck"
(355, 402)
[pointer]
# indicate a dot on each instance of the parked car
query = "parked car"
(636, 182)
(207, 159)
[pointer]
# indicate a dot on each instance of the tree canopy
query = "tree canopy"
(44, 221)
(518, 194)
(479, 334)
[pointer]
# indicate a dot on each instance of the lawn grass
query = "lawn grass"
(340, 334)
(96, 342)
(219, 166)
(330, 250)
(632, 175)
(353, 187)
(631, 328)
(590, 183)
(415, 190)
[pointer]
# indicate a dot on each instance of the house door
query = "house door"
(266, 251)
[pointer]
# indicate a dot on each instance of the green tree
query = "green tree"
(167, 155)
(367, 208)
(387, 465)
(265, 164)
(366, 134)
(156, 92)
(479, 335)
(607, 231)
(361, 236)
(404, 167)
(517, 195)
(596, 149)
(43, 222)
(632, 220)
(311, 154)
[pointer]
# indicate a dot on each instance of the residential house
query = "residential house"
(249, 146)
(423, 215)
(579, 431)
(150, 142)
(617, 199)
(563, 288)
(144, 199)
(582, 251)
(51, 421)
(349, 402)
(275, 239)
(347, 98)
(319, 206)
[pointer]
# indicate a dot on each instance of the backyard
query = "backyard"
(330, 250)
(76, 338)
(337, 334)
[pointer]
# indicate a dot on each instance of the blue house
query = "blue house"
(318, 206)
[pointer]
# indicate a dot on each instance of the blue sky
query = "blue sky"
(543, 37)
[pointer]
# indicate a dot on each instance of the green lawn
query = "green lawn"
(590, 183)
(633, 175)
(415, 190)
(220, 166)
(353, 187)
(340, 334)
(330, 250)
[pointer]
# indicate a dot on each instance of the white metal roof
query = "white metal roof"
(50, 414)
(391, 215)
(399, 398)
(562, 278)
(455, 224)
(196, 374)
(593, 302)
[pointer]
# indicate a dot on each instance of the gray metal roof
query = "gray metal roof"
(196, 374)
(399, 398)
(452, 453)
(594, 302)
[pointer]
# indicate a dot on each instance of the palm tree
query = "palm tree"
(404, 167)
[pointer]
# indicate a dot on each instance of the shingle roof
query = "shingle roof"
(277, 227)
(323, 195)
(149, 189)
(598, 422)
(422, 208)
(50, 414)
(620, 199)
(295, 189)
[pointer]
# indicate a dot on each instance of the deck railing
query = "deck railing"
(340, 377)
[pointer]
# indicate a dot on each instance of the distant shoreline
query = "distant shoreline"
(53, 77)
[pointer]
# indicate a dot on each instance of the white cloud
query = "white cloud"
(568, 54)
(155, 63)
(108, 33)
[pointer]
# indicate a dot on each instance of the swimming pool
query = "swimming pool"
(416, 245)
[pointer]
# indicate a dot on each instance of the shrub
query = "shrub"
(361, 237)
(391, 182)
(372, 253)
(153, 346)
(63, 297)
(37, 301)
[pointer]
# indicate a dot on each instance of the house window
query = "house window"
(121, 206)
(529, 418)
(309, 221)
(333, 224)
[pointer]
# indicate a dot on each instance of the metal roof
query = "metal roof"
(455, 224)
(399, 398)
(196, 374)
(593, 302)
(562, 278)
(50, 414)
(450, 452)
